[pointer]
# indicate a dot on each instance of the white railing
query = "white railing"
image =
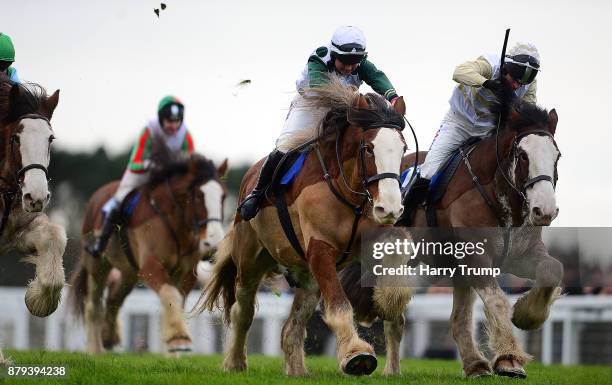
(62, 332)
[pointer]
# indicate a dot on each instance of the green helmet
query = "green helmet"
(7, 50)
(171, 108)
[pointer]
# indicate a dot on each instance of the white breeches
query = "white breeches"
(300, 125)
(129, 182)
(452, 133)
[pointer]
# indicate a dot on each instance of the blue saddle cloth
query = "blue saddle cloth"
(130, 204)
(293, 171)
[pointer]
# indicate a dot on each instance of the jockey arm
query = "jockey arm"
(376, 79)
(140, 152)
(318, 73)
(530, 95)
(473, 73)
(187, 147)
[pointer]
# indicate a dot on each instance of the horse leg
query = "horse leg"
(509, 356)
(250, 273)
(305, 301)
(474, 363)
(173, 327)
(94, 310)
(355, 356)
(45, 243)
(120, 285)
(390, 303)
(532, 309)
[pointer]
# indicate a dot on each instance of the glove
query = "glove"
(494, 85)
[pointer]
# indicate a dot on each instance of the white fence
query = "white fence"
(59, 331)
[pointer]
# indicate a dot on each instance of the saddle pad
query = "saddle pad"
(406, 176)
(294, 170)
(130, 203)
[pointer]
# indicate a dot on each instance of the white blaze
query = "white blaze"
(542, 155)
(213, 200)
(34, 149)
(388, 153)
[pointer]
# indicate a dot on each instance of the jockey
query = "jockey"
(470, 108)
(346, 56)
(168, 128)
(7, 57)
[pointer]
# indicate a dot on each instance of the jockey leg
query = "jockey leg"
(300, 126)
(112, 208)
(250, 205)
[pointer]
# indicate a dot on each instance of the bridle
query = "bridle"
(197, 225)
(14, 186)
(521, 190)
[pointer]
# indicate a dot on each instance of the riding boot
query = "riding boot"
(110, 220)
(415, 197)
(250, 205)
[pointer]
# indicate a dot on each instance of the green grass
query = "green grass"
(155, 369)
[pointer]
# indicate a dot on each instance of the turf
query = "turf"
(155, 369)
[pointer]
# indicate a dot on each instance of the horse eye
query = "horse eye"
(524, 157)
(369, 150)
(15, 139)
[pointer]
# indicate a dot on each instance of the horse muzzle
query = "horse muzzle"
(35, 202)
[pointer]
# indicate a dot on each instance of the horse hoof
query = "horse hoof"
(480, 368)
(360, 364)
(182, 348)
(510, 368)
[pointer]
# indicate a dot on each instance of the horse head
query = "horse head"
(533, 159)
(26, 115)
(377, 128)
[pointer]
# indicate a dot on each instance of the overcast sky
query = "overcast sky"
(114, 59)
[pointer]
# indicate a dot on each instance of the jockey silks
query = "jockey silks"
(320, 65)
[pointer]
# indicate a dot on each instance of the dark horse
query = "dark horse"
(517, 192)
(25, 141)
(176, 220)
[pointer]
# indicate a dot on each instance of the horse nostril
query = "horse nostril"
(27, 197)
(401, 210)
(537, 212)
(48, 196)
(379, 210)
(207, 244)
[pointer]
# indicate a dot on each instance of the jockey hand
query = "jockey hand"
(494, 85)
(393, 100)
(147, 164)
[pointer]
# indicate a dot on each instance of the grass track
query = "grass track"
(155, 369)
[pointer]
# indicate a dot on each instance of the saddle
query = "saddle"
(441, 179)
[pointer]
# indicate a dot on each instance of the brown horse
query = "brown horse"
(25, 141)
(361, 163)
(176, 221)
(520, 192)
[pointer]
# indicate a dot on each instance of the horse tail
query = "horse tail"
(78, 290)
(222, 286)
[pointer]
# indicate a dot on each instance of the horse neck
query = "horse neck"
(173, 194)
(349, 158)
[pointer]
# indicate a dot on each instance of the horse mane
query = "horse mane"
(529, 114)
(31, 99)
(341, 101)
(168, 165)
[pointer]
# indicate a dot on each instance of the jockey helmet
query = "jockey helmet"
(523, 63)
(7, 50)
(170, 108)
(348, 44)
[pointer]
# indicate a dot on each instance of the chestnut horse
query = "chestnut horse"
(176, 221)
(356, 155)
(25, 141)
(519, 193)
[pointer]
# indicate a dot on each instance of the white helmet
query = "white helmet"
(348, 44)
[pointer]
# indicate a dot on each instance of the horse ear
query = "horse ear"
(362, 103)
(400, 106)
(553, 119)
(51, 104)
(222, 169)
